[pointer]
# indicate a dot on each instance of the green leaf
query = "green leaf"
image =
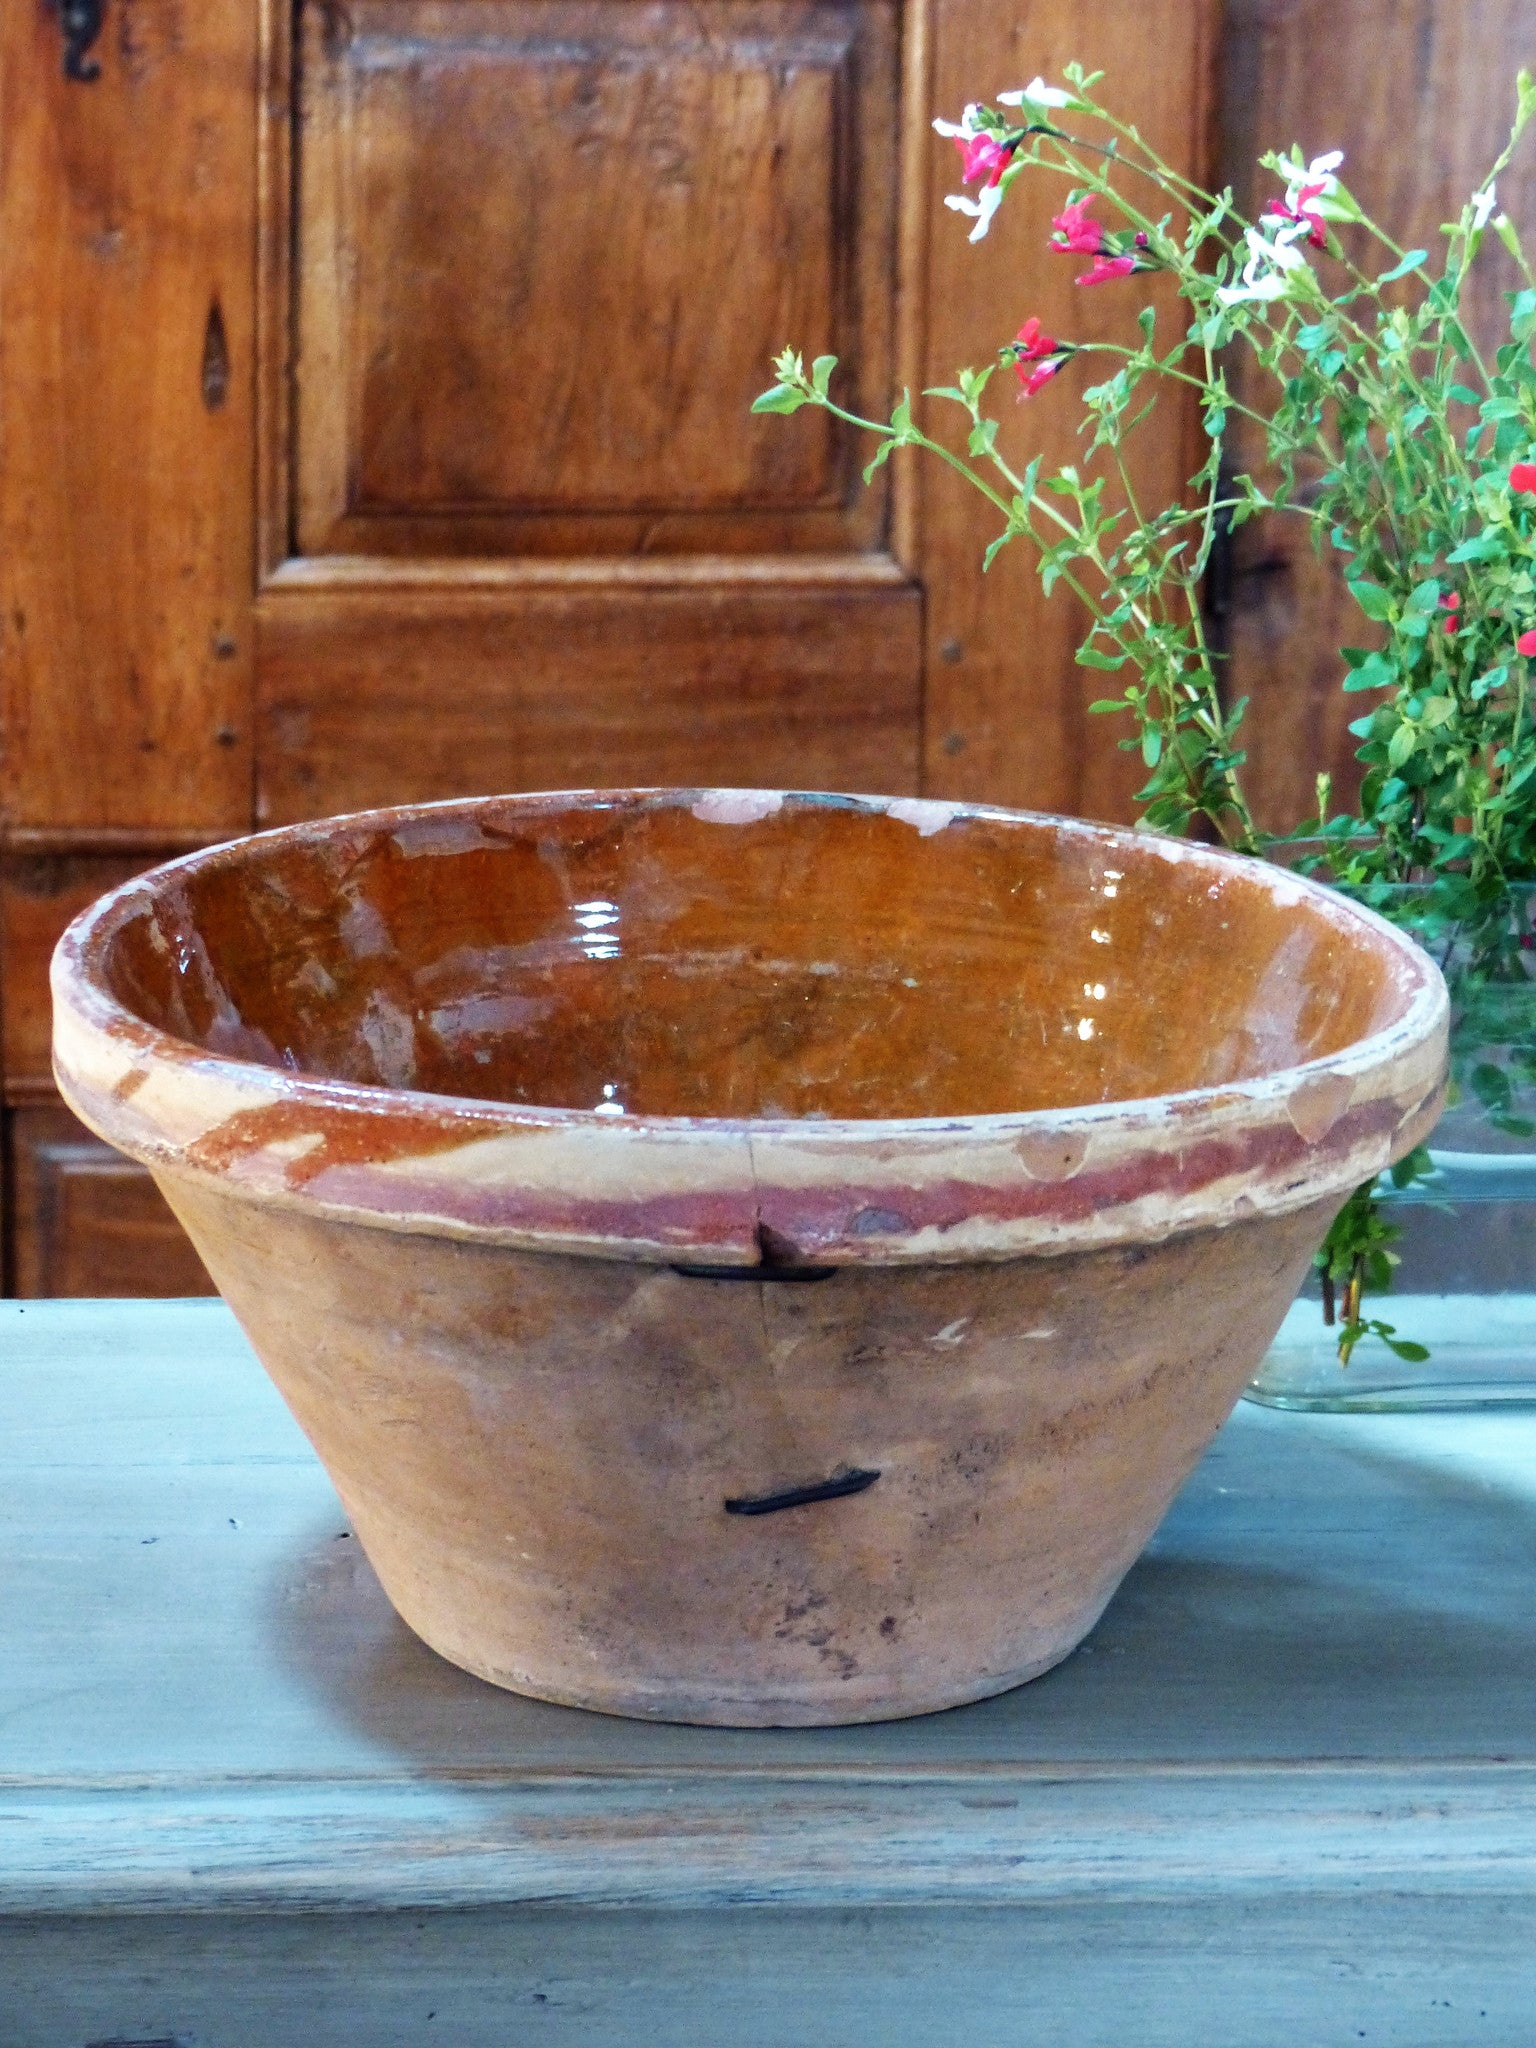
(1424, 597)
(1406, 1349)
(1490, 1084)
(1375, 672)
(901, 418)
(782, 398)
(1488, 546)
(1090, 657)
(1411, 261)
(1401, 745)
(882, 454)
(994, 548)
(1151, 746)
(1371, 598)
(821, 374)
(983, 435)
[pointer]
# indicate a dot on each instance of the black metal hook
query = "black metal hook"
(796, 1273)
(81, 22)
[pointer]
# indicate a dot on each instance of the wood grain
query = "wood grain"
(126, 224)
(1006, 708)
(1420, 98)
(545, 252)
(365, 701)
(1448, 1971)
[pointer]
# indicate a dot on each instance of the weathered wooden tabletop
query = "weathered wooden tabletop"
(1286, 1793)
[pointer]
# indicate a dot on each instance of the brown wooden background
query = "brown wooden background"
(372, 388)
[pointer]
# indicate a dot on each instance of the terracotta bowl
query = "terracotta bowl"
(741, 1257)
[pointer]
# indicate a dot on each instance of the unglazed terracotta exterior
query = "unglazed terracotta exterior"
(741, 1257)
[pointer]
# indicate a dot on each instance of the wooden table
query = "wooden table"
(1286, 1793)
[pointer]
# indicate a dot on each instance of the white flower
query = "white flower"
(967, 128)
(1039, 94)
(1317, 178)
(1483, 204)
(1266, 274)
(1312, 187)
(981, 210)
(1280, 251)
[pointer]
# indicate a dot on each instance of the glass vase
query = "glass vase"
(1465, 1288)
(1465, 1282)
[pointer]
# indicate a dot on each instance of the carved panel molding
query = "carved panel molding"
(536, 256)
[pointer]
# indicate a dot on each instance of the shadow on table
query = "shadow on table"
(1258, 1625)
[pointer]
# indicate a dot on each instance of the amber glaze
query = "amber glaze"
(458, 1101)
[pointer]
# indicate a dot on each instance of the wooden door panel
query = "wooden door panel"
(523, 529)
(366, 700)
(39, 894)
(545, 248)
(87, 1221)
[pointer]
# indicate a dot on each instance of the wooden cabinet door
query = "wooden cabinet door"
(374, 385)
(527, 260)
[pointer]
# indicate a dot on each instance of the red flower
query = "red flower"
(1041, 374)
(1106, 267)
(1037, 357)
(1077, 232)
(1526, 645)
(1451, 605)
(1305, 190)
(1523, 477)
(1305, 212)
(983, 156)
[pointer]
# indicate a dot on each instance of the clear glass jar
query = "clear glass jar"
(1465, 1285)
(1466, 1288)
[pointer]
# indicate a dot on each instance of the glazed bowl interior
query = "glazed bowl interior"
(709, 956)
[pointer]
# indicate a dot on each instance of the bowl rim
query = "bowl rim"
(80, 947)
(1409, 1047)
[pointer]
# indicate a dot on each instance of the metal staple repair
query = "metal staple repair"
(835, 1488)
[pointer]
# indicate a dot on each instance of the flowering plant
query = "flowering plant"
(1365, 409)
